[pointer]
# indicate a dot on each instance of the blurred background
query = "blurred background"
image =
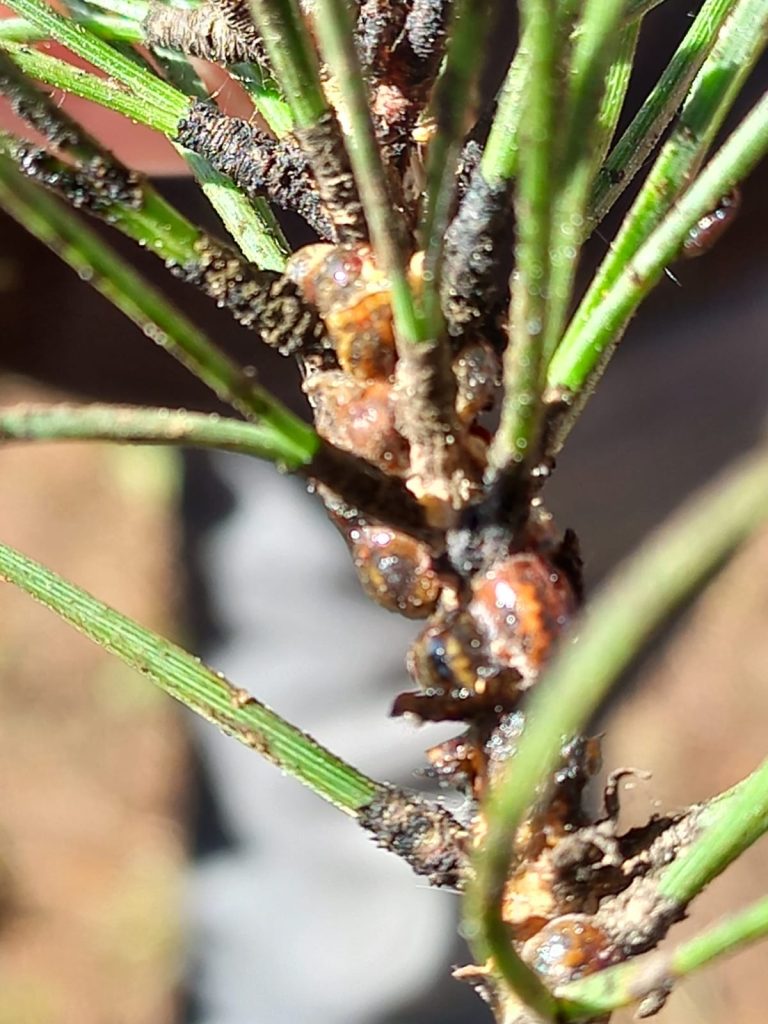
(153, 872)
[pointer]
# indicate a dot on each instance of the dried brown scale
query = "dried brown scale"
(255, 162)
(395, 570)
(323, 145)
(351, 293)
(459, 682)
(536, 892)
(423, 834)
(710, 228)
(215, 31)
(263, 300)
(522, 604)
(358, 417)
(569, 948)
(475, 659)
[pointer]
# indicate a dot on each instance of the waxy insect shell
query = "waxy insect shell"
(358, 417)
(352, 296)
(568, 948)
(710, 228)
(521, 605)
(396, 570)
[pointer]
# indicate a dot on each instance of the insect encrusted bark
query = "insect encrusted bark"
(257, 162)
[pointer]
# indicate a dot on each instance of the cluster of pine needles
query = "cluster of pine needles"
(446, 355)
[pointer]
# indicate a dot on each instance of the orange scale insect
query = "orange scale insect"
(521, 604)
(567, 948)
(451, 664)
(396, 570)
(352, 295)
(358, 417)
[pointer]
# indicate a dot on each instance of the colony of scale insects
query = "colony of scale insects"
(435, 531)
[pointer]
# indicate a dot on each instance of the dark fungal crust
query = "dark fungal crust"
(425, 28)
(324, 148)
(379, 24)
(256, 162)
(471, 283)
(96, 187)
(263, 300)
(425, 835)
(400, 47)
(217, 31)
(97, 181)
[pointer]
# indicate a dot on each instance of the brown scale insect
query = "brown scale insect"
(521, 604)
(458, 679)
(568, 948)
(352, 296)
(712, 226)
(396, 571)
(358, 417)
(480, 658)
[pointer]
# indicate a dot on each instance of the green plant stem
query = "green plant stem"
(292, 57)
(454, 104)
(668, 568)
(111, 29)
(598, 35)
(94, 261)
(616, 85)
(266, 97)
(498, 163)
(145, 86)
(334, 31)
(499, 160)
(521, 409)
(252, 224)
(151, 221)
(651, 121)
(62, 75)
(523, 360)
(725, 937)
(138, 425)
(186, 678)
(728, 826)
(627, 983)
(134, 10)
(585, 348)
